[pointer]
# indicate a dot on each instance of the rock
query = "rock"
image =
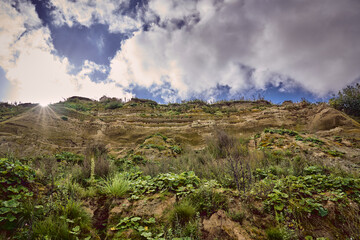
(119, 207)
(149, 207)
(222, 227)
(327, 119)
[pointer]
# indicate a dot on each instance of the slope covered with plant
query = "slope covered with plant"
(84, 169)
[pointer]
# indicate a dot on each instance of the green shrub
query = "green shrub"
(348, 100)
(237, 216)
(176, 149)
(298, 165)
(282, 132)
(335, 153)
(113, 105)
(141, 228)
(69, 157)
(77, 106)
(52, 227)
(64, 221)
(338, 139)
(115, 186)
(73, 210)
(182, 184)
(295, 197)
(221, 145)
(159, 147)
(313, 170)
(187, 231)
(274, 234)
(207, 201)
(183, 212)
(15, 188)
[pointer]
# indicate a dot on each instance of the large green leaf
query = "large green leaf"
(323, 211)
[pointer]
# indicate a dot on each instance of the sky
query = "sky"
(173, 50)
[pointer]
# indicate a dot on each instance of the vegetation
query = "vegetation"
(115, 186)
(15, 189)
(266, 182)
(348, 100)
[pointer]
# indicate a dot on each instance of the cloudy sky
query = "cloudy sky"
(171, 50)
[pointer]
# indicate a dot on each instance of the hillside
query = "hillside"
(141, 170)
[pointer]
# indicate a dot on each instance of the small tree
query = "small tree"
(237, 158)
(348, 100)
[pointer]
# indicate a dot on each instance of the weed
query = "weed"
(158, 147)
(181, 184)
(52, 227)
(183, 212)
(282, 132)
(335, 153)
(141, 226)
(176, 149)
(207, 201)
(191, 230)
(237, 216)
(274, 233)
(69, 157)
(15, 188)
(68, 221)
(115, 186)
(157, 134)
(338, 139)
(221, 145)
(114, 105)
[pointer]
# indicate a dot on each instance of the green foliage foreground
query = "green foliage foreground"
(45, 201)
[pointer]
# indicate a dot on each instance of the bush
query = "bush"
(348, 100)
(115, 186)
(69, 221)
(77, 106)
(207, 201)
(15, 188)
(69, 157)
(222, 144)
(113, 105)
(52, 227)
(182, 213)
(274, 234)
(237, 216)
(183, 183)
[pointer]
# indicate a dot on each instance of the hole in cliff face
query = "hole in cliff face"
(101, 215)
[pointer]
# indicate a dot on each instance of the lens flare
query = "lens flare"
(43, 104)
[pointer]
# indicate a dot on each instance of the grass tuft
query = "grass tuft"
(115, 186)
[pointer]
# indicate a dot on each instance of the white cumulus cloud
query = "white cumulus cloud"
(199, 45)
(35, 72)
(86, 13)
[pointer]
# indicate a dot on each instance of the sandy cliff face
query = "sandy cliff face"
(57, 127)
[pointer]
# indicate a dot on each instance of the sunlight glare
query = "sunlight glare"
(43, 104)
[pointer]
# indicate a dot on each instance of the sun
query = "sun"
(43, 104)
